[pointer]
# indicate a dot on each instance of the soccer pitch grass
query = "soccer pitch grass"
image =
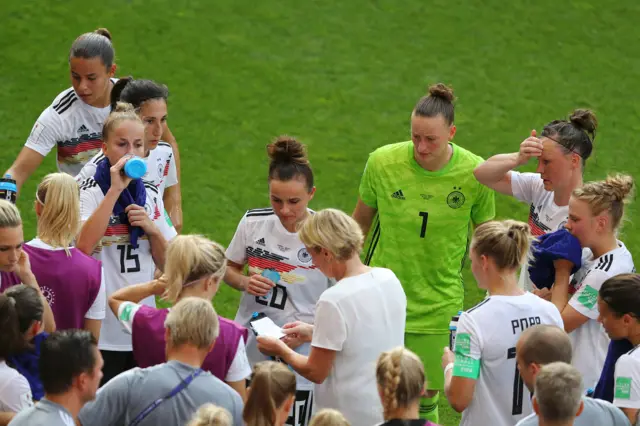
(342, 76)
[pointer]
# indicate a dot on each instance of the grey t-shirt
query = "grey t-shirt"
(44, 413)
(128, 394)
(596, 413)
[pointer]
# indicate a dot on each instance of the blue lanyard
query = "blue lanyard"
(181, 386)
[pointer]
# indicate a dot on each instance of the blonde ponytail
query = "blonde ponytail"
(609, 195)
(59, 222)
(211, 415)
(272, 383)
(400, 375)
(506, 242)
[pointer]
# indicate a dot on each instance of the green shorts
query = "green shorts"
(429, 348)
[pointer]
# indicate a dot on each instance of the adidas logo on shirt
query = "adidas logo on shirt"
(398, 194)
(83, 129)
(261, 242)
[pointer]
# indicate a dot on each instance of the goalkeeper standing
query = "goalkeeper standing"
(426, 199)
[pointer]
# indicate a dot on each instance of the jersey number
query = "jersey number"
(126, 254)
(518, 386)
(425, 219)
(278, 298)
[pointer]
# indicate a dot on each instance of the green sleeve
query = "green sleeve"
(484, 208)
(367, 184)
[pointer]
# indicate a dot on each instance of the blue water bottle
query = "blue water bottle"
(8, 189)
(273, 276)
(135, 168)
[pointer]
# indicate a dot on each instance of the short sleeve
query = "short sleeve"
(525, 186)
(97, 309)
(585, 300)
(240, 368)
(45, 132)
(329, 330)
(88, 201)
(468, 348)
(367, 189)
(19, 397)
(110, 406)
(627, 382)
(236, 252)
(484, 207)
(172, 173)
(126, 313)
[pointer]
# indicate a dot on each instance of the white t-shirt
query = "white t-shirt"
(590, 341)
(72, 126)
(239, 369)
(627, 390)
(98, 308)
(263, 243)
(122, 264)
(161, 167)
(544, 215)
(359, 318)
(485, 351)
(15, 393)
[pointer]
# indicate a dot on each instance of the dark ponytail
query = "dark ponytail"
(28, 305)
(11, 340)
(137, 92)
(289, 160)
(622, 294)
(576, 134)
(439, 101)
(93, 45)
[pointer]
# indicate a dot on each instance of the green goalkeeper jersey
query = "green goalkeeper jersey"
(423, 227)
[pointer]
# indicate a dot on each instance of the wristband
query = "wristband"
(448, 368)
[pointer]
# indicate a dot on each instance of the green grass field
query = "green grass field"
(342, 76)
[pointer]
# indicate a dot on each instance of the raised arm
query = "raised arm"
(23, 271)
(27, 162)
(496, 171)
(135, 293)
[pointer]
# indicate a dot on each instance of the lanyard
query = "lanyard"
(181, 386)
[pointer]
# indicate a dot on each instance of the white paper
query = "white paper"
(266, 327)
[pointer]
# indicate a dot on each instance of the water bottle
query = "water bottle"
(273, 276)
(453, 327)
(8, 189)
(135, 168)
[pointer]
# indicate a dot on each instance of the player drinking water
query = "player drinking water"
(562, 151)
(282, 282)
(595, 212)
(123, 226)
(482, 379)
(150, 102)
(426, 199)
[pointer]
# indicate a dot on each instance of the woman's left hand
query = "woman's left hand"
(271, 346)
(447, 357)
(138, 217)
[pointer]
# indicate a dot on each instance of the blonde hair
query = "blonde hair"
(329, 417)
(609, 195)
(59, 222)
(122, 112)
(506, 242)
(271, 384)
(334, 231)
(400, 375)
(211, 415)
(558, 392)
(190, 258)
(192, 321)
(9, 215)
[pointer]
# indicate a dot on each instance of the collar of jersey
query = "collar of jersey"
(442, 171)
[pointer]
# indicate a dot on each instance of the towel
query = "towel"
(606, 384)
(135, 193)
(27, 364)
(549, 247)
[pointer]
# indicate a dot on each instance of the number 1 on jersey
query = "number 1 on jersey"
(518, 386)
(425, 219)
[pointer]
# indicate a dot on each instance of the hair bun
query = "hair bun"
(441, 91)
(286, 149)
(103, 32)
(620, 186)
(124, 107)
(586, 120)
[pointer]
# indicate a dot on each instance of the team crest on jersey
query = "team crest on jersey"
(455, 199)
(148, 208)
(304, 256)
(562, 224)
(48, 294)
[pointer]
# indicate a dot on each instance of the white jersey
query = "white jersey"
(544, 215)
(122, 264)
(72, 126)
(161, 167)
(627, 390)
(590, 341)
(263, 243)
(485, 351)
